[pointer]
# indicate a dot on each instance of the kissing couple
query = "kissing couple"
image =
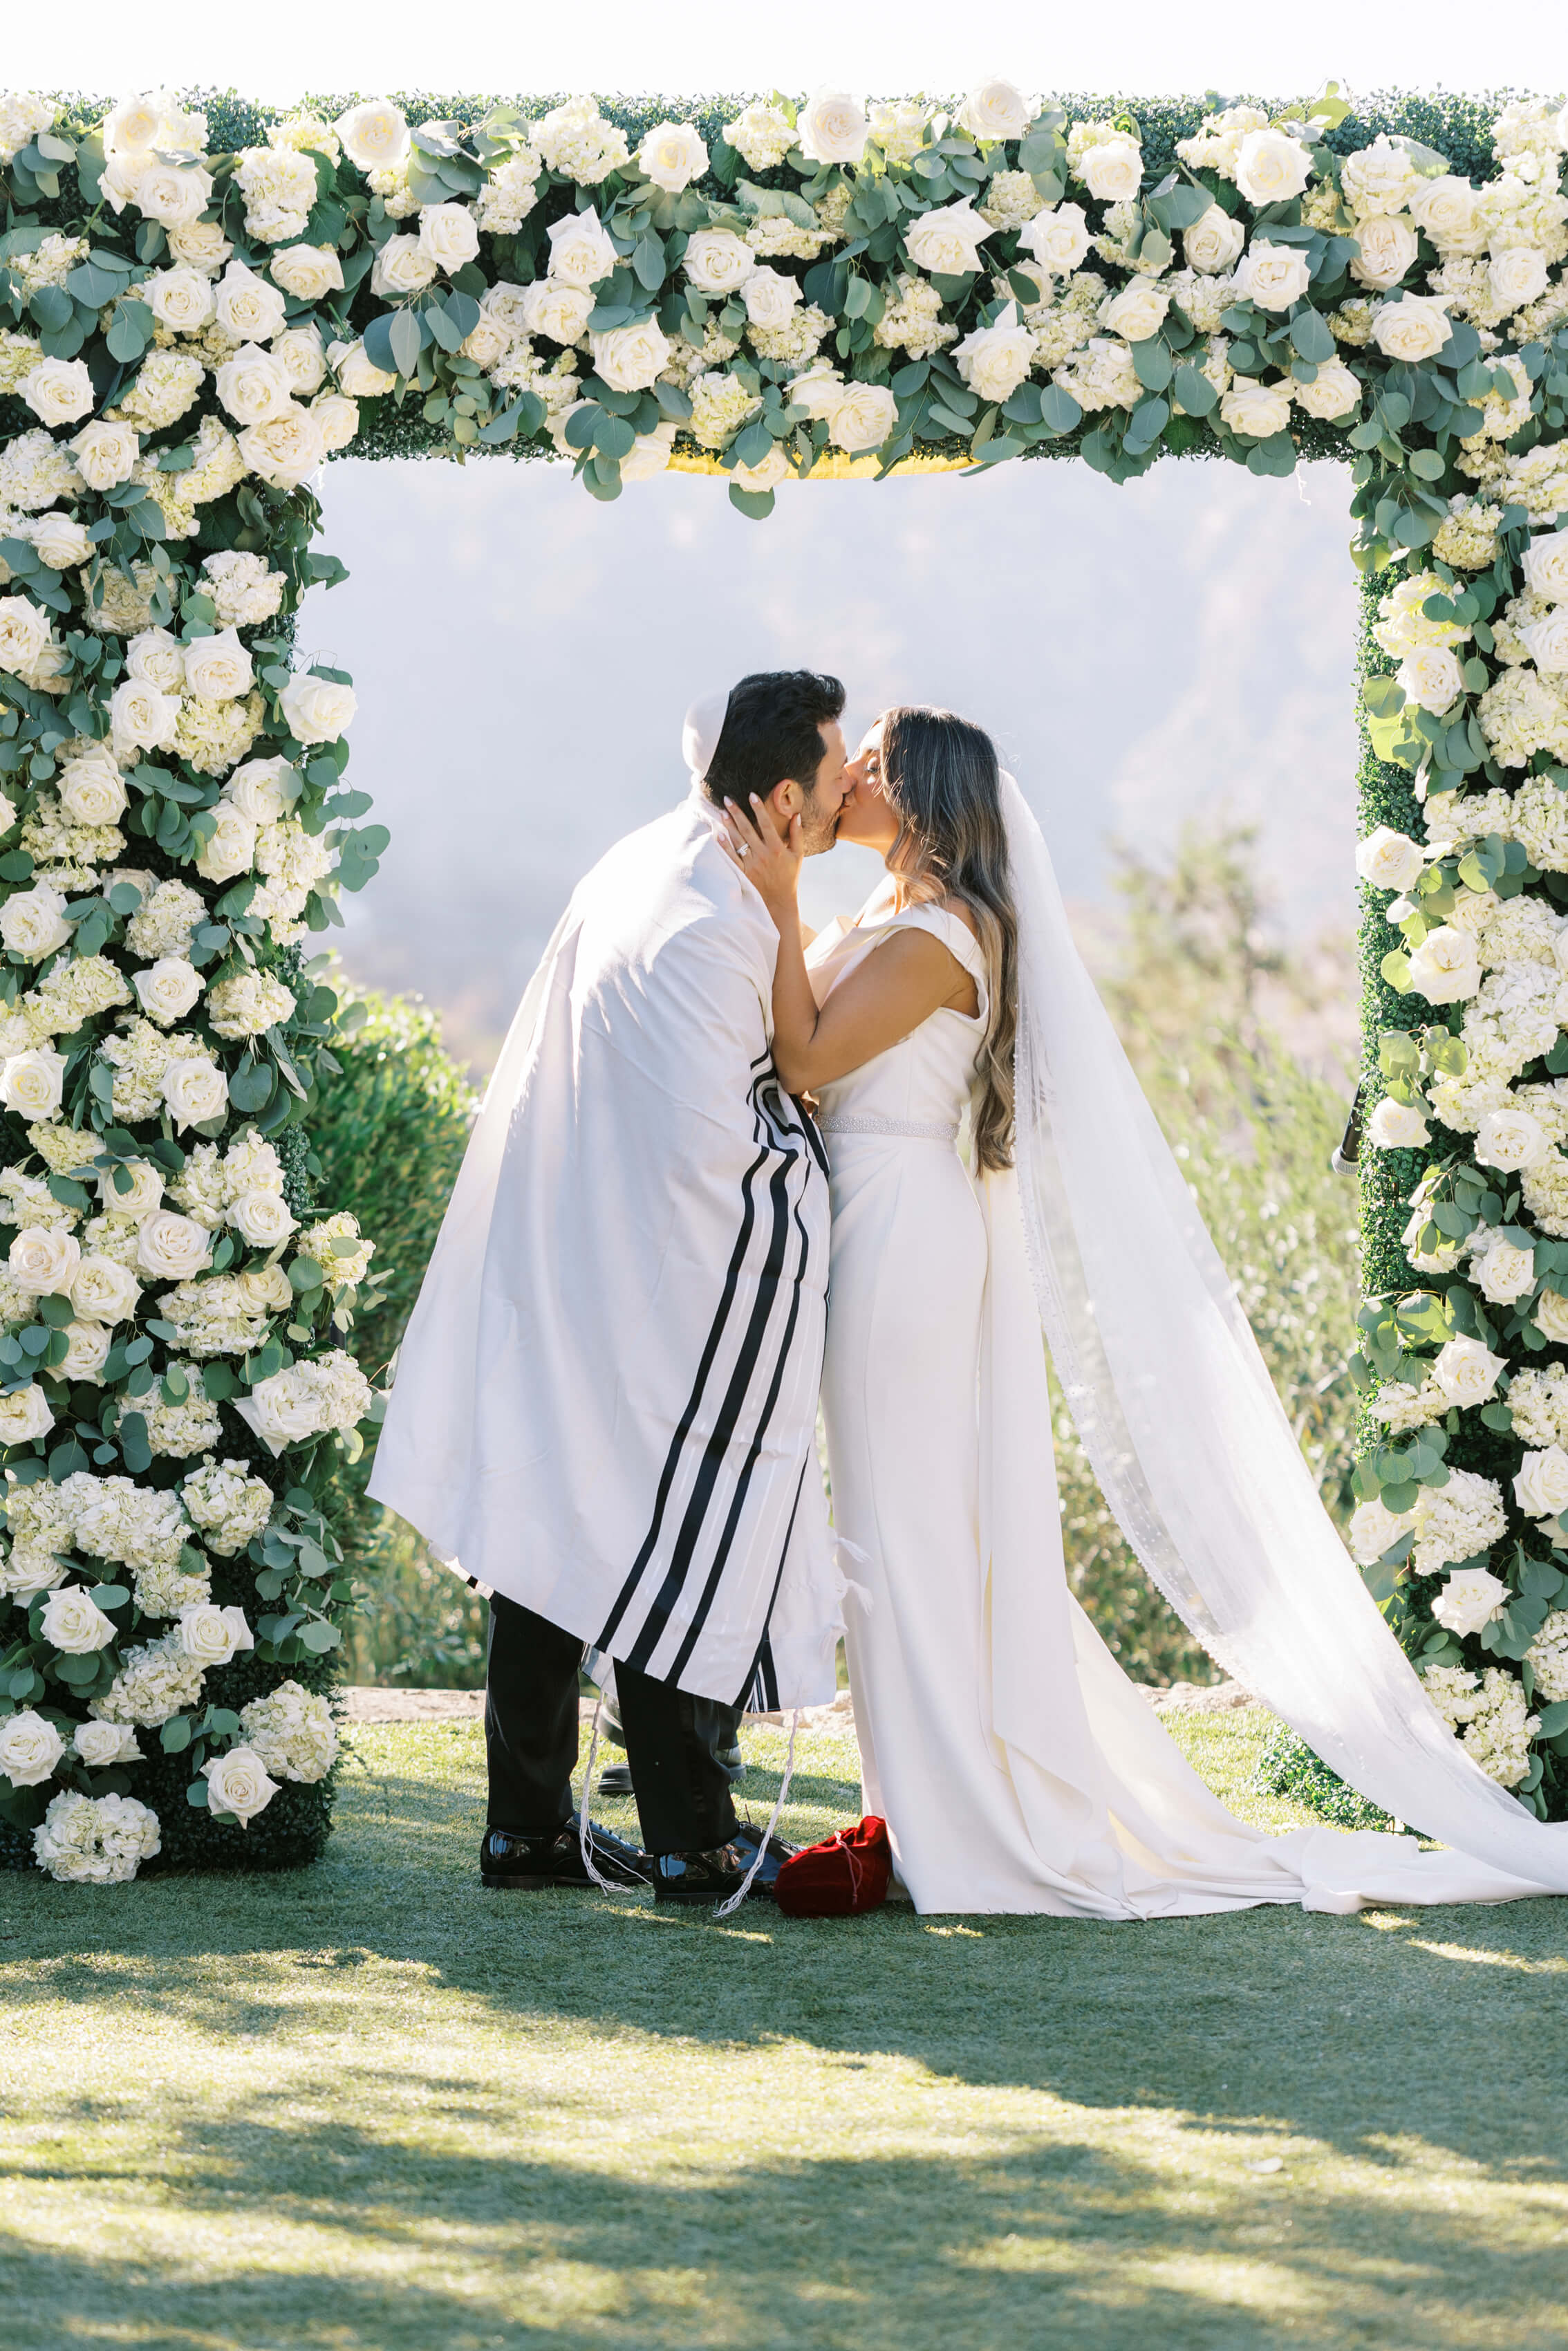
(727, 1173)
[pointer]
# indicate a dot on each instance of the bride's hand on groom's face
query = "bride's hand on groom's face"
(770, 862)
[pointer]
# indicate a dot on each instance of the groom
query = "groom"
(606, 1399)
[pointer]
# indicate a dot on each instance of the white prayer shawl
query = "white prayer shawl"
(605, 1403)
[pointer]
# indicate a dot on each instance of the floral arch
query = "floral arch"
(199, 304)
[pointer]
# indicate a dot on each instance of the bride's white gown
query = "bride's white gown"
(1016, 1765)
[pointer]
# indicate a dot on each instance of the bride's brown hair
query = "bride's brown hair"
(941, 779)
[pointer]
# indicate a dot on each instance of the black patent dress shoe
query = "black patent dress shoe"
(514, 1861)
(749, 1837)
(615, 1780)
(709, 1876)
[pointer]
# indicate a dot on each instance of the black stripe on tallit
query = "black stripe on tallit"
(764, 1679)
(742, 1379)
(743, 1482)
(683, 1430)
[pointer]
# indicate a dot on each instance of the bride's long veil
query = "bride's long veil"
(1181, 1422)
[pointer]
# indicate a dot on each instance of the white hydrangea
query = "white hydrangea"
(167, 384)
(28, 1201)
(337, 1247)
(140, 1055)
(95, 1840)
(1548, 1659)
(139, 1527)
(216, 1315)
(162, 923)
(1402, 1407)
(177, 1430)
(228, 1505)
(243, 587)
(1102, 375)
(215, 735)
(279, 189)
(1456, 1522)
(721, 404)
(913, 322)
(155, 1681)
(577, 141)
(761, 134)
(247, 1005)
(292, 1731)
(42, 1524)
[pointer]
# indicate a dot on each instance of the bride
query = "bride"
(1017, 1767)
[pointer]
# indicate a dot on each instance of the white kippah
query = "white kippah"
(699, 735)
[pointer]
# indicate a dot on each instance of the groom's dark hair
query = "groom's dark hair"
(772, 729)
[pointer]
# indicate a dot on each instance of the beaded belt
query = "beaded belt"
(920, 1131)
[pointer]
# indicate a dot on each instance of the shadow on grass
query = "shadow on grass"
(404, 2247)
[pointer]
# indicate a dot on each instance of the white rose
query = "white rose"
(173, 195)
(1385, 249)
(249, 309)
(237, 1784)
(581, 250)
(672, 155)
(947, 241)
(1445, 967)
(304, 361)
(137, 1200)
(104, 1291)
(1445, 209)
(994, 360)
(44, 1260)
(286, 448)
(218, 667)
(1334, 391)
(1510, 1139)
(1271, 167)
(30, 1747)
(73, 1622)
(1541, 1485)
(1273, 276)
(374, 135)
(261, 790)
(1516, 276)
(1137, 312)
(1467, 1371)
(254, 385)
(24, 1416)
(862, 417)
(262, 1219)
(23, 633)
(1546, 566)
(33, 1084)
(169, 1246)
(717, 261)
(141, 717)
(1374, 1530)
(282, 1410)
(1258, 410)
(266, 1288)
(357, 372)
(338, 418)
(769, 296)
(180, 299)
(630, 358)
(106, 454)
(1546, 641)
(195, 1092)
(1431, 677)
(1413, 329)
(832, 127)
(57, 390)
(1112, 169)
(307, 272)
(650, 455)
(32, 923)
(448, 236)
(1057, 239)
(201, 245)
(1397, 1126)
(1471, 1597)
(61, 542)
(1504, 1274)
(1390, 860)
(211, 1635)
(91, 791)
(559, 313)
(401, 266)
(167, 989)
(995, 110)
(102, 1743)
(231, 847)
(87, 1352)
(1551, 1315)
(317, 709)
(1214, 242)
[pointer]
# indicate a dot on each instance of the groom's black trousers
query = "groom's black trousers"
(530, 1738)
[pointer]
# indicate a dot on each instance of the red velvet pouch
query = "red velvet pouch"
(838, 1878)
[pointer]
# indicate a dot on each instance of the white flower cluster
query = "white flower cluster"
(328, 1395)
(188, 1425)
(292, 1731)
(95, 1840)
(156, 1680)
(227, 1506)
(339, 1249)
(1487, 1711)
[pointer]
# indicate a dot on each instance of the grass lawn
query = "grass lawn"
(366, 2105)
